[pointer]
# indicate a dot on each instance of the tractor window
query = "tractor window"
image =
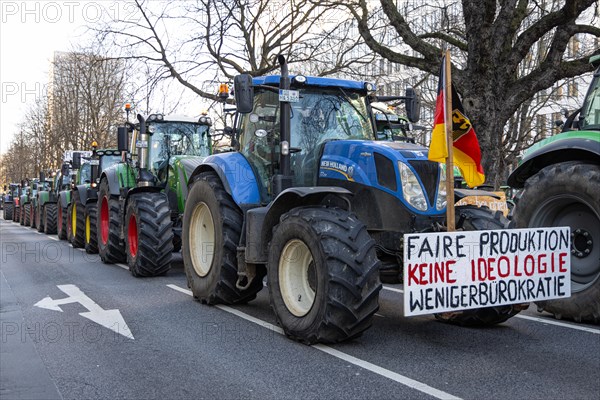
(591, 107)
(319, 116)
(107, 161)
(85, 173)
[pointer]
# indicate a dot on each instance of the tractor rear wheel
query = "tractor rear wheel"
(323, 275)
(16, 214)
(50, 218)
(149, 239)
(8, 211)
(61, 221)
(568, 194)
(472, 218)
(212, 226)
(110, 246)
(39, 220)
(77, 221)
(32, 216)
(91, 235)
(26, 221)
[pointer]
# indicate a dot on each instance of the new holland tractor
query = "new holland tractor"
(560, 182)
(313, 201)
(140, 201)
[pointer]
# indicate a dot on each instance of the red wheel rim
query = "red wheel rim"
(132, 236)
(104, 223)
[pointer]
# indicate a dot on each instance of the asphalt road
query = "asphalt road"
(167, 346)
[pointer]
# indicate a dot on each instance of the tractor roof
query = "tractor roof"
(273, 80)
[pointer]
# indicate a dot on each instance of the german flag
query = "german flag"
(467, 154)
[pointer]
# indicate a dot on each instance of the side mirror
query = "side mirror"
(413, 105)
(64, 170)
(244, 93)
(122, 139)
(76, 160)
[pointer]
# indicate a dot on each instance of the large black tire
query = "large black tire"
(323, 275)
(8, 211)
(568, 194)
(39, 218)
(110, 246)
(77, 225)
(149, 239)
(25, 214)
(69, 222)
(472, 218)
(91, 234)
(61, 220)
(16, 213)
(212, 225)
(32, 216)
(50, 218)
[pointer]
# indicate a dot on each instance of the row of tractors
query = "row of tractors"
(310, 198)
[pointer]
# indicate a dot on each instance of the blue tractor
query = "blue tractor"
(313, 201)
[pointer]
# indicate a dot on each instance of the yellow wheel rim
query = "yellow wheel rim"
(87, 229)
(74, 219)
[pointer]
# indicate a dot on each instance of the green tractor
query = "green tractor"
(70, 178)
(8, 200)
(82, 209)
(38, 186)
(48, 199)
(25, 201)
(560, 182)
(141, 201)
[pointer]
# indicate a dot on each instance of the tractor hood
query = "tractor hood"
(399, 169)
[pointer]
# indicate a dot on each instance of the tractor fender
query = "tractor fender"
(235, 173)
(260, 221)
(82, 190)
(43, 198)
(575, 148)
(112, 177)
(64, 198)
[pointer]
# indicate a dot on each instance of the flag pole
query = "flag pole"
(450, 216)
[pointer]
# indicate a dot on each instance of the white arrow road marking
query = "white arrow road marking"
(111, 319)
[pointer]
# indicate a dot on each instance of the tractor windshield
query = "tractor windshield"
(85, 173)
(320, 115)
(176, 138)
(107, 161)
(590, 113)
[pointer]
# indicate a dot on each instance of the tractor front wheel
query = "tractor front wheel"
(323, 275)
(212, 225)
(50, 218)
(110, 246)
(91, 235)
(149, 239)
(8, 211)
(62, 221)
(77, 221)
(39, 220)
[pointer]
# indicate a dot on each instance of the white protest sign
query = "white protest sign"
(453, 271)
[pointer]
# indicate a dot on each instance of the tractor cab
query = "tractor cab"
(326, 110)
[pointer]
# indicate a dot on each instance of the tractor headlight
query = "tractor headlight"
(411, 188)
(442, 195)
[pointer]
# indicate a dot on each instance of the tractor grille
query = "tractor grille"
(428, 172)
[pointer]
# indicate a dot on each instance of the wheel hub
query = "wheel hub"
(582, 243)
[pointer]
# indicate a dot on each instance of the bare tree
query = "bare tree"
(490, 40)
(224, 38)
